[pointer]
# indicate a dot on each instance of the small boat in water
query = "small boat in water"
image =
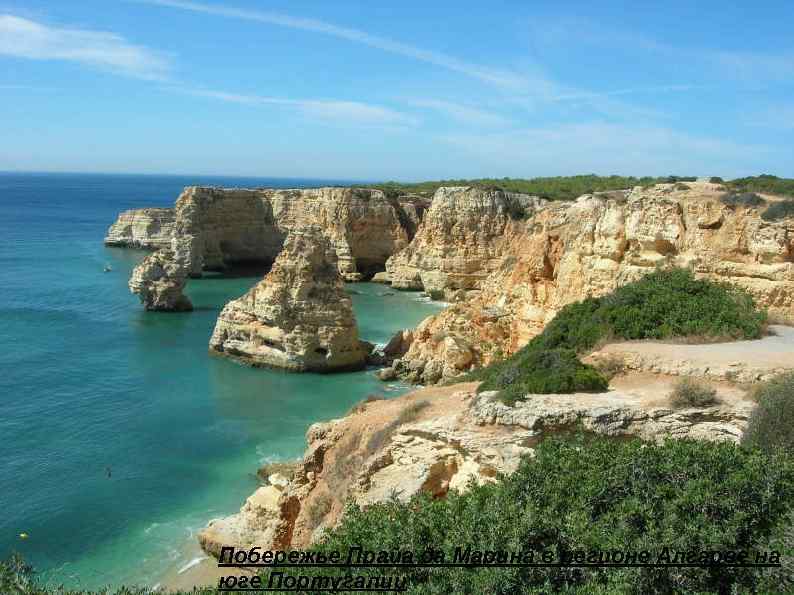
(108, 268)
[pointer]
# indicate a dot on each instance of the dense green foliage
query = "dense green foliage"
(744, 189)
(691, 393)
(545, 371)
(661, 305)
(552, 188)
(772, 421)
(571, 187)
(603, 495)
(763, 183)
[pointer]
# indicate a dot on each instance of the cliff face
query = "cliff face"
(439, 439)
(571, 251)
(460, 240)
(215, 228)
(142, 228)
(299, 317)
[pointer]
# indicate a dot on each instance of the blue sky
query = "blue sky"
(397, 90)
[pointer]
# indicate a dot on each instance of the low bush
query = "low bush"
(544, 371)
(744, 199)
(778, 210)
(691, 393)
(763, 183)
(771, 424)
(552, 188)
(606, 496)
(662, 305)
(716, 180)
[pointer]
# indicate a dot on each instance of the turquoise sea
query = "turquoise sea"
(120, 436)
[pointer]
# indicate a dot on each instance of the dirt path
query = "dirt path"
(742, 361)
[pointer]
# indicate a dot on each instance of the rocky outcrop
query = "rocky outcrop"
(567, 252)
(443, 438)
(142, 228)
(299, 317)
(460, 240)
(217, 229)
(256, 523)
(159, 280)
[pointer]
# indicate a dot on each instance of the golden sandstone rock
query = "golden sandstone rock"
(569, 251)
(299, 317)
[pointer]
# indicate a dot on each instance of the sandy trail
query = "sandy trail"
(775, 352)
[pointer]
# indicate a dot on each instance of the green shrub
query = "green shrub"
(744, 199)
(771, 424)
(544, 371)
(716, 180)
(552, 188)
(662, 305)
(691, 393)
(609, 495)
(778, 210)
(763, 183)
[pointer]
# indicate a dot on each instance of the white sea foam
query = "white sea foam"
(191, 564)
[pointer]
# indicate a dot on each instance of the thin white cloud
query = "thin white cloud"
(501, 78)
(462, 113)
(737, 64)
(24, 38)
(629, 91)
(346, 112)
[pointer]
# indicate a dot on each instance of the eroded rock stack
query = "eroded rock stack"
(159, 280)
(299, 317)
(217, 229)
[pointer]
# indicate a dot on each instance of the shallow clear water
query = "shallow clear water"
(91, 385)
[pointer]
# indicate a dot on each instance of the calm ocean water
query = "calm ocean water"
(88, 381)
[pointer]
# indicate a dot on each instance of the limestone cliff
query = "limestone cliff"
(460, 240)
(299, 317)
(215, 228)
(570, 251)
(439, 439)
(159, 280)
(142, 228)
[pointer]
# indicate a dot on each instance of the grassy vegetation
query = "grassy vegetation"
(606, 495)
(772, 421)
(661, 305)
(691, 393)
(552, 188)
(763, 183)
(587, 493)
